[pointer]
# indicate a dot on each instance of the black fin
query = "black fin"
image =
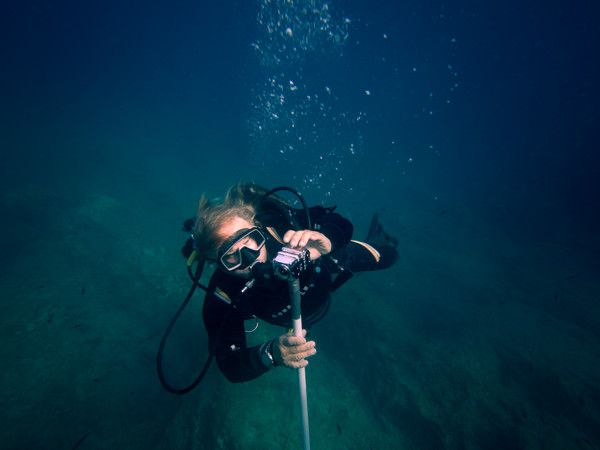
(377, 236)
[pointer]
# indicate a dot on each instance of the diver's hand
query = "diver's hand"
(317, 243)
(291, 351)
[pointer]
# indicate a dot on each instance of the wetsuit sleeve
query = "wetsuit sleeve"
(226, 335)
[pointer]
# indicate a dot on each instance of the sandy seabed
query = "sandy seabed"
(474, 340)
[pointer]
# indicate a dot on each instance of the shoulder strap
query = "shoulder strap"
(275, 235)
(276, 211)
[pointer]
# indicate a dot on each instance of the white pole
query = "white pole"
(297, 317)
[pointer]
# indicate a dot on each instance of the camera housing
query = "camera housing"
(290, 263)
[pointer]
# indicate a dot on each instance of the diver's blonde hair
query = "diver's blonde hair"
(240, 202)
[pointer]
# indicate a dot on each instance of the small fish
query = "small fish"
(581, 401)
(555, 296)
(570, 277)
(501, 303)
(83, 290)
(530, 367)
(443, 212)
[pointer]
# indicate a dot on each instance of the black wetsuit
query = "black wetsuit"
(225, 308)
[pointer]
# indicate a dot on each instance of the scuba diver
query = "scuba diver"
(243, 236)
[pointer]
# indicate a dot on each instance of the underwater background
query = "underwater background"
(470, 127)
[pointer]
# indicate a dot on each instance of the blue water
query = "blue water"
(470, 127)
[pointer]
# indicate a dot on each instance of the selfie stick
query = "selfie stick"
(294, 285)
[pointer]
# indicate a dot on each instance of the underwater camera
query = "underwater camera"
(290, 263)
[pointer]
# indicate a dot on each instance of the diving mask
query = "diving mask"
(241, 250)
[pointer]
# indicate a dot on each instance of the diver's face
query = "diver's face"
(232, 227)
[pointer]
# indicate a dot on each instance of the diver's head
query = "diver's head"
(227, 233)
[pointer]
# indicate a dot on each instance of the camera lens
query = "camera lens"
(283, 272)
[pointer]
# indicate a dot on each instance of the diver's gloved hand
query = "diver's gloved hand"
(317, 243)
(291, 351)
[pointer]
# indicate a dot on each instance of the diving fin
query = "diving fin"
(377, 236)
